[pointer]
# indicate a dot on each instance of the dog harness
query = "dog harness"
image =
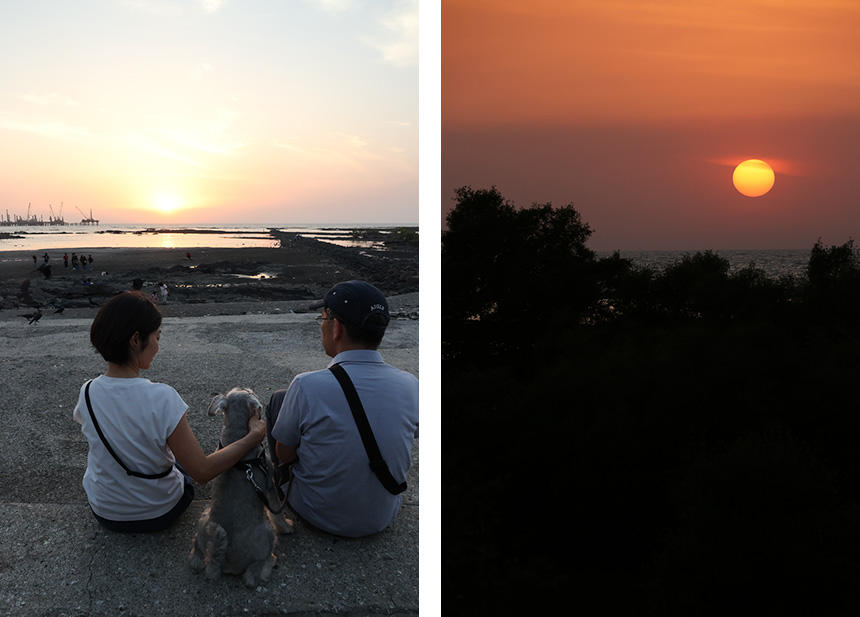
(249, 465)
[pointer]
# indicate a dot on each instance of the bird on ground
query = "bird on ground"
(33, 317)
(45, 269)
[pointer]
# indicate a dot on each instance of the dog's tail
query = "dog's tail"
(215, 549)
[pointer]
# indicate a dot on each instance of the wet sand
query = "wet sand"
(298, 272)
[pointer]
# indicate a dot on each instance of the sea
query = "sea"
(46, 238)
(774, 262)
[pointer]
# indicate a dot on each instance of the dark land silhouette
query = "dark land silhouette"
(675, 442)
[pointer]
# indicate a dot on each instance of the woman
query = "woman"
(138, 429)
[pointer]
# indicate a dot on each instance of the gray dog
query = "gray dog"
(233, 535)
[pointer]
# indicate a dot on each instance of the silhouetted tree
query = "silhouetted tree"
(834, 282)
(696, 286)
(511, 270)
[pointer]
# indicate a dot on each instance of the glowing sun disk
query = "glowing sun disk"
(753, 178)
(167, 203)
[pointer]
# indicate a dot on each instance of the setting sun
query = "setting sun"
(753, 178)
(167, 203)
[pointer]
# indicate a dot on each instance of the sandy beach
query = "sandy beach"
(220, 330)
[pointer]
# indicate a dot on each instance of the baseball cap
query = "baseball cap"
(358, 303)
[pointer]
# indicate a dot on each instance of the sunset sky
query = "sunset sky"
(637, 112)
(208, 111)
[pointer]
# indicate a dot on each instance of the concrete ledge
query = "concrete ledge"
(56, 561)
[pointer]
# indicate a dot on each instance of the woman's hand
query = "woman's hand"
(257, 428)
(203, 468)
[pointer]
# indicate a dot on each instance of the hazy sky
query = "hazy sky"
(637, 112)
(281, 111)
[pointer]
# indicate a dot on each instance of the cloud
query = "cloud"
(46, 100)
(201, 70)
(396, 38)
(49, 129)
(192, 142)
(350, 140)
(158, 8)
(210, 6)
(145, 145)
(338, 148)
(290, 147)
(333, 6)
(398, 41)
(166, 8)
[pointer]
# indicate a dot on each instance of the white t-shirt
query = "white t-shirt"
(136, 417)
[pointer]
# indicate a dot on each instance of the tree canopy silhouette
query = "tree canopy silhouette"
(668, 442)
(507, 267)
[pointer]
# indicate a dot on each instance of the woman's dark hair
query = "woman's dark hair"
(117, 320)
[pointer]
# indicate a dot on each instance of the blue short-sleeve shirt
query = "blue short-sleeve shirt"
(333, 486)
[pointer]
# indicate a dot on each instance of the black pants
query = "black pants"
(153, 524)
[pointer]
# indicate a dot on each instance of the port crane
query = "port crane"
(87, 220)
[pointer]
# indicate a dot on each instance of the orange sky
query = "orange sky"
(637, 111)
(210, 111)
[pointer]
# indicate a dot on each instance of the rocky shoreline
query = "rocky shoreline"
(301, 270)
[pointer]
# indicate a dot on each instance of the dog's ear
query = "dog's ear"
(255, 407)
(218, 404)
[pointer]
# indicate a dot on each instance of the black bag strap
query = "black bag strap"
(136, 474)
(377, 463)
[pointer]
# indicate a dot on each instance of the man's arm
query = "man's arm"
(287, 425)
(286, 454)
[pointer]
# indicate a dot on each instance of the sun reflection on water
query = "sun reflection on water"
(167, 241)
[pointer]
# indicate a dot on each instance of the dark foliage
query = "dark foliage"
(662, 443)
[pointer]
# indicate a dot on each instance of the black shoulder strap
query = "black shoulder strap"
(377, 463)
(148, 476)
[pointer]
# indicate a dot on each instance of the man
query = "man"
(312, 426)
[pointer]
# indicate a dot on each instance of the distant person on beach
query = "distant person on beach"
(188, 256)
(322, 465)
(65, 260)
(45, 257)
(138, 431)
(90, 259)
(162, 287)
(34, 260)
(74, 261)
(137, 284)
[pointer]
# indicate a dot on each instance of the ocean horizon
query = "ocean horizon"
(774, 262)
(176, 235)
